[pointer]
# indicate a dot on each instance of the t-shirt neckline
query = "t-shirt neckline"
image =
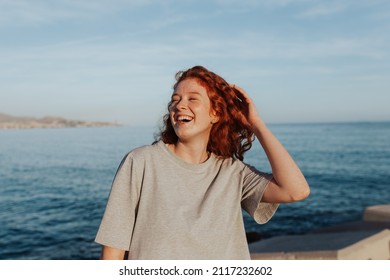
(191, 166)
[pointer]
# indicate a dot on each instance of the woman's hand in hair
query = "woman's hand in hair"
(252, 115)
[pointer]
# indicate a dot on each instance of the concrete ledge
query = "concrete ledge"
(377, 213)
(361, 245)
(315, 255)
(368, 239)
(375, 247)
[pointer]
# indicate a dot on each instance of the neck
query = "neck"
(194, 152)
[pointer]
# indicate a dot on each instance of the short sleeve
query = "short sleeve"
(118, 220)
(254, 184)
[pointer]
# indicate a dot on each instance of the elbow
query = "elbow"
(303, 193)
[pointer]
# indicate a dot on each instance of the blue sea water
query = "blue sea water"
(54, 183)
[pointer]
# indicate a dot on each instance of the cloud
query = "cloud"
(323, 9)
(137, 46)
(261, 3)
(96, 66)
(38, 12)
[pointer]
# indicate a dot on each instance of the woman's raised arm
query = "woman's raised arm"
(288, 184)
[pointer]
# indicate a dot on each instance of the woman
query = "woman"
(181, 197)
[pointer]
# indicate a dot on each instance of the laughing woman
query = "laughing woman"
(182, 197)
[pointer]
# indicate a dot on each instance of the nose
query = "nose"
(180, 105)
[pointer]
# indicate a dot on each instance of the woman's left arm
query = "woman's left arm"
(289, 184)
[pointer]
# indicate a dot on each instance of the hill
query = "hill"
(16, 122)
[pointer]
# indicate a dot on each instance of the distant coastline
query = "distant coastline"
(16, 122)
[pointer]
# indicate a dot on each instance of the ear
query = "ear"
(214, 117)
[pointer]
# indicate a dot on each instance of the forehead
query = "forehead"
(190, 86)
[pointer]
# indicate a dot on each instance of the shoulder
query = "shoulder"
(242, 168)
(230, 164)
(138, 158)
(143, 151)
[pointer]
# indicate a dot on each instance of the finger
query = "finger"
(241, 97)
(236, 87)
(244, 94)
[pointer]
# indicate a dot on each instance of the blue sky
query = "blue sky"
(107, 60)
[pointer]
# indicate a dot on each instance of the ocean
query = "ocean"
(54, 183)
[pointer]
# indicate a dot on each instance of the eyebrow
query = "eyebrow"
(191, 92)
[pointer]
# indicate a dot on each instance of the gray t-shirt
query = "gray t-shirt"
(161, 207)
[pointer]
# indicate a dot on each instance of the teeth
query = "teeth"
(184, 118)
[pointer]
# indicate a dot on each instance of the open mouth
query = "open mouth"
(184, 119)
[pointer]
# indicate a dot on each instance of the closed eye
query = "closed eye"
(175, 98)
(194, 96)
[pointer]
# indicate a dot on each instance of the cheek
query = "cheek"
(201, 107)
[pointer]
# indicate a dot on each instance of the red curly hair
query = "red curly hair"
(232, 135)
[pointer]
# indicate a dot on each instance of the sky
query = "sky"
(107, 60)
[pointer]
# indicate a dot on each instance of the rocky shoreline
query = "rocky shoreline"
(13, 122)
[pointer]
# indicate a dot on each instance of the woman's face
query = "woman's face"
(190, 111)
